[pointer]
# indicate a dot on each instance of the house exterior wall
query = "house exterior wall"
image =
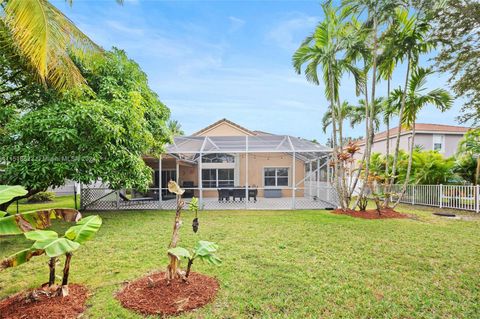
(224, 129)
(425, 140)
(256, 164)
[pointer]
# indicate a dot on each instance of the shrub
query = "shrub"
(42, 197)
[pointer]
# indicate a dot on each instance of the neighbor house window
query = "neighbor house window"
(218, 177)
(438, 143)
(275, 176)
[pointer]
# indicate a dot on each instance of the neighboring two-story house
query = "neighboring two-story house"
(438, 137)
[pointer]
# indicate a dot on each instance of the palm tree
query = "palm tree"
(175, 128)
(42, 35)
(408, 38)
(343, 112)
(325, 49)
(415, 100)
(377, 13)
(359, 112)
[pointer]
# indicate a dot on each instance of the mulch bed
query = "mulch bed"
(161, 299)
(20, 306)
(372, 213)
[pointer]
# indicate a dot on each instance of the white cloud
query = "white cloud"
(290, 32)
(235, 23)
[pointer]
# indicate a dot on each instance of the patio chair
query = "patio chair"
(188, 192)
(252, 193)
(239, 193)
(223, 195)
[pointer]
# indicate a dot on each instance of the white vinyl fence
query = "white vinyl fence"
(463, 197)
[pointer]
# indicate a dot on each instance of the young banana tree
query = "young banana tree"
(32, 223)
(173, 268)
(49, 242)
(203, 250)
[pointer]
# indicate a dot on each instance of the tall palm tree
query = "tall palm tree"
(175, 128)
(343, 112)
(377, 13)
(415, 100)
(46, 39)
(325, 49)
(408, 37)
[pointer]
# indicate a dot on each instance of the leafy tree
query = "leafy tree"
(101, 135)
(456, 26)
(468, 156)
(427, 168)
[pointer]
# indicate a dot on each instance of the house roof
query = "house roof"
(222, 121)
(421, 128)
(189, 147)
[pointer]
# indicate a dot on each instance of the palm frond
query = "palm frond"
(47, 38)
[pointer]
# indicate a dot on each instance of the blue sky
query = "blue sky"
(215, 59)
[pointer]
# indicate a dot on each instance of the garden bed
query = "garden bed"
(22, 305)
(372, 213)
(151, 295)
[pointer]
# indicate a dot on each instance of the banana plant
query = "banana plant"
(203, 250)
(173, 269)
(49, 242)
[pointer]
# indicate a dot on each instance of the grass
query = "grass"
(285, 264)
(59, 202)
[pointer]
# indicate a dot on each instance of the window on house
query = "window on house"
(275, 176)
(217, 177)
(218, 158)
(438, 143)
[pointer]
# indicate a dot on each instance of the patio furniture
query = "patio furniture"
(252, 193)
(189, 191)
(132, 201)
(272, 193)
(239, 193)
(223, 194)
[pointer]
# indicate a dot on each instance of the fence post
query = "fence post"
(477, 202)
(441, 195)
(413, 194)
(75, 194)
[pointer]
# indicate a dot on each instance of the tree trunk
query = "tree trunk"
(31, 192)
(51, 265)
(66, 269)
(334, 138)
(397, 142)
(387, 146)
(477, 172)
(409, 167)
(370, 112)
(173, 271)
(357, 177)
(189, 267)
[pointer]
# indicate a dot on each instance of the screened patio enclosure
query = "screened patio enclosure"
(231, 172)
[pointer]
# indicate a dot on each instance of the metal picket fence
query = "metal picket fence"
(463, 197)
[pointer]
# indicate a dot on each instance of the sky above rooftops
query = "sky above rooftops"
(227, 59)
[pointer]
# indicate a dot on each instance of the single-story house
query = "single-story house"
(228, 166)
(437, 137)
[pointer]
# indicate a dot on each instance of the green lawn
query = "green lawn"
(286, 264)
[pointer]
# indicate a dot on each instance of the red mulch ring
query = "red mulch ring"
(161, 299)
(372, 213)
(19, 306)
